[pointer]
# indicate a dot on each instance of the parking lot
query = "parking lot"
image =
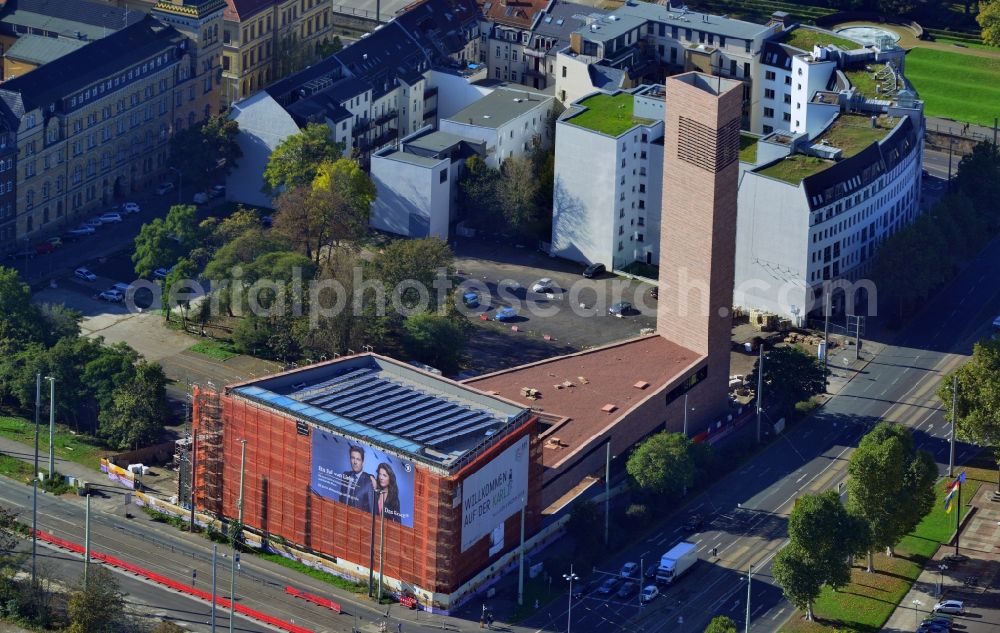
(573, 316)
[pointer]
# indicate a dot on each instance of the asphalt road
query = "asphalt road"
(747, 511)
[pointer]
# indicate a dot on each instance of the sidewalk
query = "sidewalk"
(980, 551)
(959, 128)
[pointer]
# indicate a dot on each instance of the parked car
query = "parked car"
(629, 569)
(505, 314)
(109, 217)
(43, 248)
(164, 188)
(84, 274)
(594, 271)
(931, 626)
(949, 606)
(609, 586)
(649, 573)
(693, 522)
(122, 288)
(55, 241)
(112, 295)
(581, 589)
(620, 309)
(542, 285)
(81, 230)
(649, 593)
(200, 198)
(627, 590)
(217, 190)
(130, 207)
(93, 222)
(654, 292)
(471, 299)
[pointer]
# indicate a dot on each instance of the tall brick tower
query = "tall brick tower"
(698, 223)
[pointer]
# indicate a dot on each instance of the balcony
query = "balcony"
(384, 118)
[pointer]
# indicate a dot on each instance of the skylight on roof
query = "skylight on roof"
(559, 21)
(548, 19)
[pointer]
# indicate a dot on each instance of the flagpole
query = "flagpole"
(958, 515)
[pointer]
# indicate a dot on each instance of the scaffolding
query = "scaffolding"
(208, 448)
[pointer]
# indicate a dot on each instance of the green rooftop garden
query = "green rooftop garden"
(865, 80)
(806, 38)
(853, 132)
(748, 148)
(609, 114)
(796, 167)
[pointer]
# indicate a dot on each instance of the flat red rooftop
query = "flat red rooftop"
(590, 391)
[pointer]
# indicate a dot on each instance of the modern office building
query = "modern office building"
(607, 189)
(456, 465)
(94, 124)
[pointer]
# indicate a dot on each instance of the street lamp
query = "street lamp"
(569, 612)
(180, 182)
(941, 568)
(916, 610)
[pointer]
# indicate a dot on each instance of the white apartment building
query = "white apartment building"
(640, 42)
(608, 179)
(507, 122)
(815, 202)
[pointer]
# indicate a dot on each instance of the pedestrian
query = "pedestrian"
(399, 628)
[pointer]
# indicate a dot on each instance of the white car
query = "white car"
(114, 296)
(200, 198)
(164, 188)
(629, 570)
(161, 273)
(542, 285)
(83, 229)
(93, 222)
(131, 207)
(950, 606)
(107, 218)
(84, 274)
(649, 592)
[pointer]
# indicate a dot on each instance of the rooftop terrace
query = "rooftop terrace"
(851, 133)
(876, 81)
(609, 114)
(806, 38)
(748, 148)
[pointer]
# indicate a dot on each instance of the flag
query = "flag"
(952, 489)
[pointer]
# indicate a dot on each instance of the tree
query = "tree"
(329, 47)
(588, 540)
(20, 320)
(978, 178)
(989, 20)
(978, 398)
(416, 262)
(154, 248)
(891, 485)
(822, 528)
(479, 194)
(138, 409)
(295, 160)
(9, 537)
(100, 606)
(176, 289)
(799, 577)
(721, 624)
(662, 465)
(199, 153)
(183, 227)
(435, 340)
(790, 376)
(345, 193)
(518, 192)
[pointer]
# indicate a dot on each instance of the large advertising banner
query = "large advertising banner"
(358, 475)
(493, 493)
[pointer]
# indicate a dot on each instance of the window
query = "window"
(443, 176)
(788, 98)
(564, 74)
(768, 113)
(786, 117)
(768, 93)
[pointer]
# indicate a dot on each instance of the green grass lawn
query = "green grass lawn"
(748, 148)
(956, 86)
(796, 167)
(611, 115)
(806, 38)
(866, 604)
(219, 350)
(76, 448)
(853, 133)
(15, 469)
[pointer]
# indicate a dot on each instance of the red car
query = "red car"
(44, 247)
